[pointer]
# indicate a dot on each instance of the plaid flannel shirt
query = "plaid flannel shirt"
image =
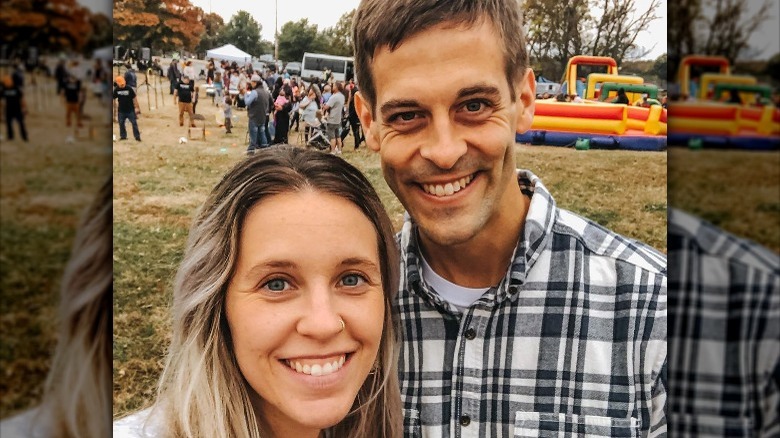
(724, 333)
(572, 341)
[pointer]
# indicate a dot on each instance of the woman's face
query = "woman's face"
(306, 262)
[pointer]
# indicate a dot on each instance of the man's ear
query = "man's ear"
(363, 109)
(526, 101)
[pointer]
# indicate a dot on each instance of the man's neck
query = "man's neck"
(483, 260)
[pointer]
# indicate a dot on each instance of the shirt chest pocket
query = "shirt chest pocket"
(544, 425)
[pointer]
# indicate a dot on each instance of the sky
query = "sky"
(325, 13)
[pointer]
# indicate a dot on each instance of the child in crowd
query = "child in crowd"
(228, 109)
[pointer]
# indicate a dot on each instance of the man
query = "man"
(126, 108)
(335, 106)
(724, 332)
(174, 74)
(518, 318)
(72, 94)
(257, 106)
(130, 77)
(183, 93)
(12, 98)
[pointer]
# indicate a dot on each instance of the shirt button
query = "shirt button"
(465, 420)
(471, 334)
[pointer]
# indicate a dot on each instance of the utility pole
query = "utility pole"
(276, 31)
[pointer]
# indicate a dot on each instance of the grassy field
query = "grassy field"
(736, 190)
(45, 185)
(159, 183)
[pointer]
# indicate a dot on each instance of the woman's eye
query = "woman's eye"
(276, 285)
(352, 280)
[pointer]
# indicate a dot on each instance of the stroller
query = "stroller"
(318, 138)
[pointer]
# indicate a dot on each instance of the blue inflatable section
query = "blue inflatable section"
(723, 142)
(597, 141)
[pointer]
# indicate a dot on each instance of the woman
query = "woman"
(310, 105)
(282, 320)
(282, 116)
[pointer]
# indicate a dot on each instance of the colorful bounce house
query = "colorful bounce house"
(723, 110)
(595, 122)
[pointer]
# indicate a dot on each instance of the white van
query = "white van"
(314, 64)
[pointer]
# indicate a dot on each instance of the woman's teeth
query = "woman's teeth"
(317, 368)
(449, 188)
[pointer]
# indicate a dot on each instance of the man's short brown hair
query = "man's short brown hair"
(380, 23)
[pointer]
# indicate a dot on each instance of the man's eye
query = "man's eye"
(474, 106)
(406, 116)
(352, 280)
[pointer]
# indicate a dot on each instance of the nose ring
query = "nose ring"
(343, 326)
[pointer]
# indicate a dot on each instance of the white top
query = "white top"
(135, 426)
(27, 424)
(458, 296)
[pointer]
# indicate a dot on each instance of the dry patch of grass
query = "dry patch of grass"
(159, 183)
(44, 187)
(738, 191)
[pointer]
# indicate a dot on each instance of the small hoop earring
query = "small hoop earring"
(343, 326)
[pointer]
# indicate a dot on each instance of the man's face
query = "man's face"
(444, 126)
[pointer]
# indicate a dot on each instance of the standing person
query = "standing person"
(60, 75)
(354, 120)
(72, 95)
(282, 323)
(335, 108)
(126, 108)
(310, 105)
(520, 318)
(283, 106)
(174, 74)
(183, 94)
(257, 107)
(189, 70)
(12, 98)
(131, 79)
(228, 113)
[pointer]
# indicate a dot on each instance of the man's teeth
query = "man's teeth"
(447, 189)
(317, 369)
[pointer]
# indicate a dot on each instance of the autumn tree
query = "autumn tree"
(213, 32)
(159, 24)
(243, 31)
(51, 24)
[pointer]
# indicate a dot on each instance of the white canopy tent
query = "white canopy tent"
(104, 53)
(229, 52)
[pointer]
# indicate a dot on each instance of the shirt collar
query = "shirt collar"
(534, 239)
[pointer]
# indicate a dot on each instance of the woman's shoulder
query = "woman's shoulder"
(141, 424)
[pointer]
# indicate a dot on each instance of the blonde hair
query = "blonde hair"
(77, 392)
(202, 391)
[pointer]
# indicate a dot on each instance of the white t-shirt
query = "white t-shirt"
(27, 424)
(459, 296)
(137, 425)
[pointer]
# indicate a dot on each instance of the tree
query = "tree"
(298, 37)
(51, 24)
(555, 32)
(712, 27)
(172, 25)
(339, 37)
(243, 31)
(100, 34)
(213, 32)
(661, 67)
(616, 34)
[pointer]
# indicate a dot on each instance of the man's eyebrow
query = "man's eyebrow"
(394, 104)
(479, 89)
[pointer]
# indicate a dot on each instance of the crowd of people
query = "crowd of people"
(275, 103)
